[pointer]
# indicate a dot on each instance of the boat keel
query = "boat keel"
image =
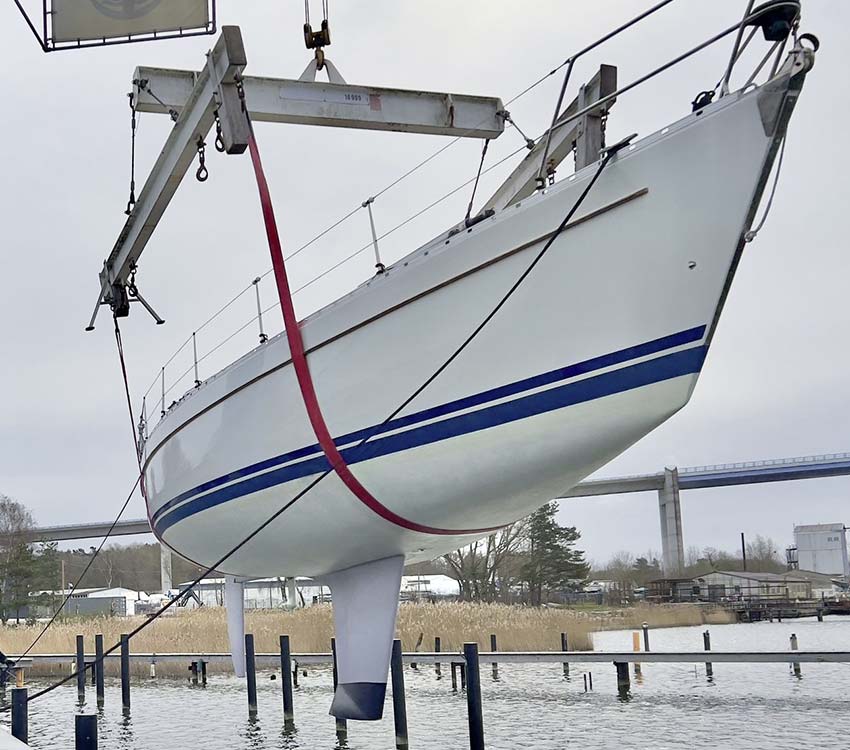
(365, 603)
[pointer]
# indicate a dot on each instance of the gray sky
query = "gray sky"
(775, 383)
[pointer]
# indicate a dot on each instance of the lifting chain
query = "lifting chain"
(203, 173)
(131, 203)
(219, 137)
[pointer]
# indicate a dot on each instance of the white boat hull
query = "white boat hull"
(601, 344)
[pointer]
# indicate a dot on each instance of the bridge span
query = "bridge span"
(667, 483)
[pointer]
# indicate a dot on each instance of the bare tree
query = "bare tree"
(483, 569)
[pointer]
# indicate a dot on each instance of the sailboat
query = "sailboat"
(603, 341)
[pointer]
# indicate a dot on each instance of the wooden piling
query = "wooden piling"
(341, 724)
(437, 646)
(795, 647)
(203, 665)
(85, 732)
(20, 715)
(565, 646)
(636, 648)
(193, 670)
(251, 674)
(454, 676)
(645, 636)
(399, 704)
(706, 642)
(125, 672)
(590, 680)
(81, 669)
(286, 681)
(623, 681)
(98, 669)
(820, 615)
(494, 665)
(473, 697)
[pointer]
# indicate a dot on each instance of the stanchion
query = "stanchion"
(20, 715)
(98, 669)
(85, 732)
(125, 672)
(251, 674)
(81, 669)
(473, 697)
(706, 642)
(341, 724)
(623, 682)
(399, 704)
(794, 647)
(565, 646)
(286, 681)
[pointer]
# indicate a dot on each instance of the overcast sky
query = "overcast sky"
(776, 380)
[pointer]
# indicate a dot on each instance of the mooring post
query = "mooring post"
(81, 669)
(623, 682)
(295, 674)
(98, 669)
(646, 636)
(636, 648)
(125, 672)
(706, 642)
(585, 682)
(251, 674)
(794, 647)
(341, 724)
(494, 647)
(20, 715)
(399, 704)
(473, 697)
(565, 646)
(286, 681)
(193, 670)
(437, 646)
(590, 680)
(203, 665)
(820, 615)
(85, 732)
(462, 668)
(454, 677)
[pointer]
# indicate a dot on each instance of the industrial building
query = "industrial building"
(821, 548)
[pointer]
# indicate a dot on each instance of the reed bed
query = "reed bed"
(310, 630)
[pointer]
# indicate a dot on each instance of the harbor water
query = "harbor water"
(530, 705)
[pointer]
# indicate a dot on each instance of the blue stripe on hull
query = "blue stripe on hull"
(655, 346)
(669, 366)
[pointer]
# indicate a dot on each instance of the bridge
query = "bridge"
(668, 484)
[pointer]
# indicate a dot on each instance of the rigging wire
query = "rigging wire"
(504, 299)
(73, 588)
(138, 483)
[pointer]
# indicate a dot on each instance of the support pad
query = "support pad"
(365, 602)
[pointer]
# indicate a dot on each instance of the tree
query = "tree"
(646, 570)
(24, 567)
(486, 568)
(551, 560)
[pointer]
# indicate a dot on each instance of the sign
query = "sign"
(75, 21)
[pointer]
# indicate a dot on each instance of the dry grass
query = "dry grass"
(205, 630)
(664, 616)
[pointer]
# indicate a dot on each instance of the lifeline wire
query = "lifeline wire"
(431, 157)
(322, 476)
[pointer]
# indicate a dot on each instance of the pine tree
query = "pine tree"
(551, 558)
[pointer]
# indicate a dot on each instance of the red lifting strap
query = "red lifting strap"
(302, 369)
